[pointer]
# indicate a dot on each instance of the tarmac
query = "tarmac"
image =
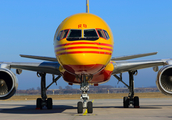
(103, 109)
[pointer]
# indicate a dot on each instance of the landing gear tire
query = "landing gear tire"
(136, 102)
(89, 107)
(49, 103)
(125, 102)
(39, 103)
(80, 107)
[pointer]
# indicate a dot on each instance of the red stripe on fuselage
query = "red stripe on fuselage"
(88, 43)
(83, 47)
(76, 52)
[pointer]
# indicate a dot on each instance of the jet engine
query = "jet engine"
(8, 83)
(164, 80)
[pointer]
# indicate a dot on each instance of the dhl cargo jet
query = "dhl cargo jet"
(83, 45)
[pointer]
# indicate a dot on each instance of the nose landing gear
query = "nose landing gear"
(84, 87)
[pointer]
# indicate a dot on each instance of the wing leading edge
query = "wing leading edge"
(134, 56)
(125, 66)
(40, 57)
(45, 67)
(121, 66)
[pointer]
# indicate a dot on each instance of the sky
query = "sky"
(138, 26)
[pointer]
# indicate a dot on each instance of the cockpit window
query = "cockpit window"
(62, 34)
(58, 36)
(75, 33)
(101, 33)
(65, 32)
(106, 34)
(90, 33)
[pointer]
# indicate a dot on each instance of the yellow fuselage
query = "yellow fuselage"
(77, 48)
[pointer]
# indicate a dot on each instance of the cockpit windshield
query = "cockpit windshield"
(103, 33)
(90, 33)
(74, 35)
(62, 34)
(86, 34)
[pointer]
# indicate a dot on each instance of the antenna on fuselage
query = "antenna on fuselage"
(87, 6)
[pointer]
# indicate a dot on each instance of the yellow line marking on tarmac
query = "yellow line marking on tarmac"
(85, 113)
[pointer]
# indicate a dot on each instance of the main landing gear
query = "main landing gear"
(84, 87)
(44, 101)
(130, 99)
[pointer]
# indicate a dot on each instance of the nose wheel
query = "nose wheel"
(80, 107)
(89, 107)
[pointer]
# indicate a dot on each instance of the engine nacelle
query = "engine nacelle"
(8, 83)
(164, 80)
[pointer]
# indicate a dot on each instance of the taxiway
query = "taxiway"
(104, 109)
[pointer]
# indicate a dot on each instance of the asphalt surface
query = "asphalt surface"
(104, 109)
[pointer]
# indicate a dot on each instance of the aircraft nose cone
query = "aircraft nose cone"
(82, 63)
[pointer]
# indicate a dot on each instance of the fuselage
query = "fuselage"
(83, 44)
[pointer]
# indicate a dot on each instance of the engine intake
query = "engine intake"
(164, 80)
(8, 83)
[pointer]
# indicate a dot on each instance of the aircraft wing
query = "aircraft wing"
(40, 57)
(133, 56)
(46, 67)
(125, 66)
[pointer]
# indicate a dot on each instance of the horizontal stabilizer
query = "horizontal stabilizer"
(134, 56)
(39, 57)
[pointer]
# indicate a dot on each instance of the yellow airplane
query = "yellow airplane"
(83, 45)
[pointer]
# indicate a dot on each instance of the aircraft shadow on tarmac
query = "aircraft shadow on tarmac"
(30, 109)
(121, 107)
